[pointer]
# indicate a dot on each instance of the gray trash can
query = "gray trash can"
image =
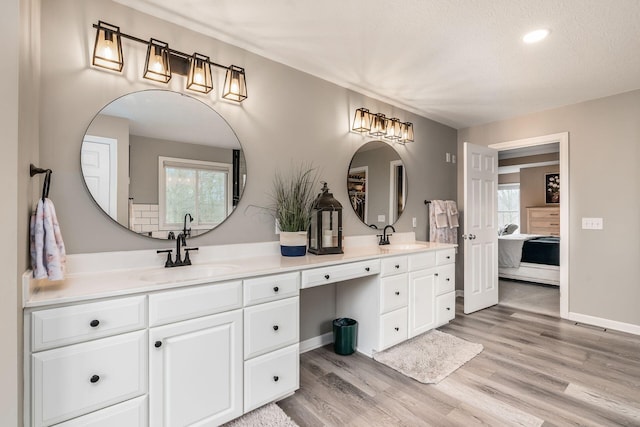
(345, 336)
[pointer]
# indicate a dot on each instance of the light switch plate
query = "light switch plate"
(592, 223)
(414, 222)
(447, 157)
(453, 158)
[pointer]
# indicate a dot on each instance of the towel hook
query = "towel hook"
(34, 170)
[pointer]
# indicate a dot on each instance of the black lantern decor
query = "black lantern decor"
(325, 232)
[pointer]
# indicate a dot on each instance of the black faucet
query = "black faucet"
(384, 237)
(185, 231)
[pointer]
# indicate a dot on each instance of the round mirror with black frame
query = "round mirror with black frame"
(377, 184)
(158, 161)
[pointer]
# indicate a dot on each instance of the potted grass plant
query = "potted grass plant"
(293, 197)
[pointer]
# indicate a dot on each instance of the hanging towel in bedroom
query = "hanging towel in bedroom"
(47, 248)
(452, 213)
(438, 234)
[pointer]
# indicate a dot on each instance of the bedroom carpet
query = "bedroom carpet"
(430, 357)
(267, 416)
(530, 297)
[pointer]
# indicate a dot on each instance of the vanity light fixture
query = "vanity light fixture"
(376, 124)
(161, 62)
(157, 66)
(199, 77)
(393, 129)
(362, 120)
(235, 87)
(107, 49)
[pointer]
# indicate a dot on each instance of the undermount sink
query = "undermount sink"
(402, 246)
(192, 272)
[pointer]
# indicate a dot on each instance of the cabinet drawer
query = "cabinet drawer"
(422, 260)
(393, 328)
(132, 413)
(269, 377)
(395, 265)
(338, 273)
(270, 326)
(271, 288)
(445, 308)
(173, 306)
(446, 256)
(75, 380)
(69, 325)
(548, 213)
(445, 279)
(393, 292)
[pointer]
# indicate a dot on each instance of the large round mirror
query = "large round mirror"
(158, 161)
(377, 184)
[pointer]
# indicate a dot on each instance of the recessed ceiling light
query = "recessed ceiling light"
(535, 36)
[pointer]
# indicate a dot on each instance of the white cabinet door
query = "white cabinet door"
(422, 286)
(195, 371)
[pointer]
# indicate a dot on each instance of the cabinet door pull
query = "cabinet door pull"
(94, 323)
(326, 276)
(367, 269)
(276, 327)
(397, 266)
(396, 328)
(94, 379)
(276, 378)
(397, 292)
(448, 279)
(276, 289)
(436, 274)
(448, 308)
(158, 344)
(448, 256)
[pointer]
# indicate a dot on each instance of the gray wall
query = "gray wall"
(604, 155)
(532, 190)
(290, 117)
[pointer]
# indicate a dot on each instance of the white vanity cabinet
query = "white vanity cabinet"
(195, 361)
(271, 336)
(84, 358)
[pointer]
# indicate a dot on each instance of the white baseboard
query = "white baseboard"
(604, 323)
(315, 342)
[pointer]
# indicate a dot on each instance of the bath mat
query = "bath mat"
(430, 357)
(267, 416)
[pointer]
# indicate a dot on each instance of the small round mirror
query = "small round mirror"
(377, 184)
(157, 161)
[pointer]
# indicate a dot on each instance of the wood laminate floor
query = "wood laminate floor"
(535, 370)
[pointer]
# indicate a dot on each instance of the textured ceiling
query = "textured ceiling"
(460, 62)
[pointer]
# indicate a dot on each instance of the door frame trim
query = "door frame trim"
(563, 139)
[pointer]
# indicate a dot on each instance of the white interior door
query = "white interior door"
(99, 167)
(480, 227)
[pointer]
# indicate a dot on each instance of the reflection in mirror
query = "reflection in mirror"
(150, 158)
(377, 184)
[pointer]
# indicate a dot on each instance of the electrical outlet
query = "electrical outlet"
(592, 223)
(277, 227)
(447, 157)
(381, 218)
(453, 158)
(414, 222)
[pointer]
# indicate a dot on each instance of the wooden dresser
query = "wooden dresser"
(544, 220)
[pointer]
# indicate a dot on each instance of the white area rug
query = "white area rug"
(430, 357)
(267, 416)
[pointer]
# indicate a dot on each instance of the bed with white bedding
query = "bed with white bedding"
(529, 257)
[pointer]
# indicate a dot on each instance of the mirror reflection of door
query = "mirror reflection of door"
(385, 184)
(99, 163)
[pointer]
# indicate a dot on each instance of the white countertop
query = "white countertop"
(93, 276)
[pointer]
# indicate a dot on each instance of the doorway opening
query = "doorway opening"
(533, 220)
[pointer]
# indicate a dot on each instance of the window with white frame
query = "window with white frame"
(508, 204)
(199, 188)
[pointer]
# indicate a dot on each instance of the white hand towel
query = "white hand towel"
(48, 255)
(440, 210)
(452, 213)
